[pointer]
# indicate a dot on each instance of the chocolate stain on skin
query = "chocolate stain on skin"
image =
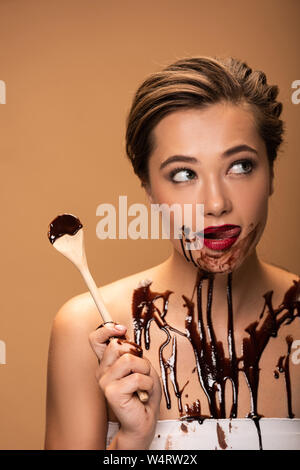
(213, 367)
(193, 412)
(217, 262)
(225, 262)
(283, 366)
(260, 333)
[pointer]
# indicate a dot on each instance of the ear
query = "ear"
(148, 192)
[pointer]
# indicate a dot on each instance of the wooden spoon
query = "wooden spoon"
(66, 235)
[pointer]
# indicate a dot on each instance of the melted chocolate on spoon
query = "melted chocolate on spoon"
(66, 224)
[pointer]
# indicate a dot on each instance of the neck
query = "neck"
(182, 276)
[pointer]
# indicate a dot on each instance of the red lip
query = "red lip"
(221, 237)
(222, 231)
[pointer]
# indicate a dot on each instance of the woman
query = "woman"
(215, 323)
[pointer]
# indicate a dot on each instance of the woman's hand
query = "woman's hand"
(120, 375)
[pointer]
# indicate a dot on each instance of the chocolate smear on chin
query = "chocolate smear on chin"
(227, 261)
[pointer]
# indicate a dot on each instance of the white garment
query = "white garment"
(240, 433)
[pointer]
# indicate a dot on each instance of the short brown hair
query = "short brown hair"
(194, 83)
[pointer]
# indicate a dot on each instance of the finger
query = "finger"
(115, 349)
(99, 339)
(126, 364)
(127, 386)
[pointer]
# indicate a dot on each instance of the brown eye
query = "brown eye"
(180, 175)
(241, 167)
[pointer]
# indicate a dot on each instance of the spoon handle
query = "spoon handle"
(143, 395)
(95, 293)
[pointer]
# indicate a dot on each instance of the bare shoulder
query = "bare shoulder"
(81, 312)
(279, 279)
(283, 346)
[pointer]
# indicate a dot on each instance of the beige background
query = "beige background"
(71, 68)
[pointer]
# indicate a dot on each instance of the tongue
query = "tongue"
(220, 235)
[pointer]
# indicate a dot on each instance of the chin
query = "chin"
(217, 264)
(227, 261)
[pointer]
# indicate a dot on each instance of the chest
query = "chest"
(222, 364)
(198, 381)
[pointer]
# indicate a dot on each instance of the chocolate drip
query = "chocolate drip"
(65, 224)
(183, 250)
(283, 366)
(163, 368)
(233, 361)
(184, 232)
(144, 311)
(260, 334)
(212, 366)
(171, 364)
(193, 413)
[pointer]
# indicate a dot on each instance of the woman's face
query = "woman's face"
(215, 157)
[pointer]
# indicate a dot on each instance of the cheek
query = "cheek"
(252, 203)
(166, 194)
(158, 191)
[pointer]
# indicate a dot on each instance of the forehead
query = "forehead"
(212, 129)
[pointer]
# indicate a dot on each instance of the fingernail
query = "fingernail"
(120, 327)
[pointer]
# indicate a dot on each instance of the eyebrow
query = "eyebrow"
(227, 153)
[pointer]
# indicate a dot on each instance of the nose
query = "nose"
(216, 199)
